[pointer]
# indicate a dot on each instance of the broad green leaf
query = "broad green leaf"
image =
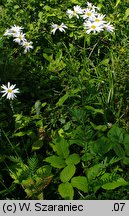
(101, 146)
(16, 6)
(126, 160)
(95, 171)
(61, 147)
(19, 134)
(90, 108)
(67, 173)
(58, 57)
(117, 2)
(62, 99)
(40, 14)
(67, 126)
(73, 159)
(56, 161)
(99, 127)
(66, 191)
(119, 150)
(119, 182)
(126, 14)
(48, 57)
(80, 182)
(37, 145)
(116, 134)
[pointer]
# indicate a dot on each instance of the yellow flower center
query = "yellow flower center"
(74, 13)
(26, 44)
(10, 90)
(20, 37)
(88, 13)
(93, 27)
(97, 20)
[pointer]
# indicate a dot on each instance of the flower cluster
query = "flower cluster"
(59, 27)
(19, 37)
(93, 20)
(9, 91)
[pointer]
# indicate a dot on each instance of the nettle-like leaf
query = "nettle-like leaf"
(80, 182)
(95, 171)
(101, 146)
(67, 173)
(56, 161)
(73, 159)
(61, 147)
(66, 190)
(116, 134)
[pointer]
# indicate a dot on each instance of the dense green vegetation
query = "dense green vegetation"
(66, 134)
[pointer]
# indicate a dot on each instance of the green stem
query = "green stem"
(12, 108)
(10, 143)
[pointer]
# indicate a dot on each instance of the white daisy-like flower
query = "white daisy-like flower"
(88, 14)
(27, 45)
(92, 7)
(9, 91)
(15, 29)
(8, 32)
(99, 18)
(93, 27)
(56, 27)
(76, 11)
(109, 27)
(19, 38)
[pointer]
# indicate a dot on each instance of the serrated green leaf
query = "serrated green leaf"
(67, 173)
(80, 182)
(66, 191)
(115, 184)
(56, 161)
(101, 146)
(119, 150)
(73, 159)
(116, 134)
(61, 147)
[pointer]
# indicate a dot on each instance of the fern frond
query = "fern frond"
(33, 164)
